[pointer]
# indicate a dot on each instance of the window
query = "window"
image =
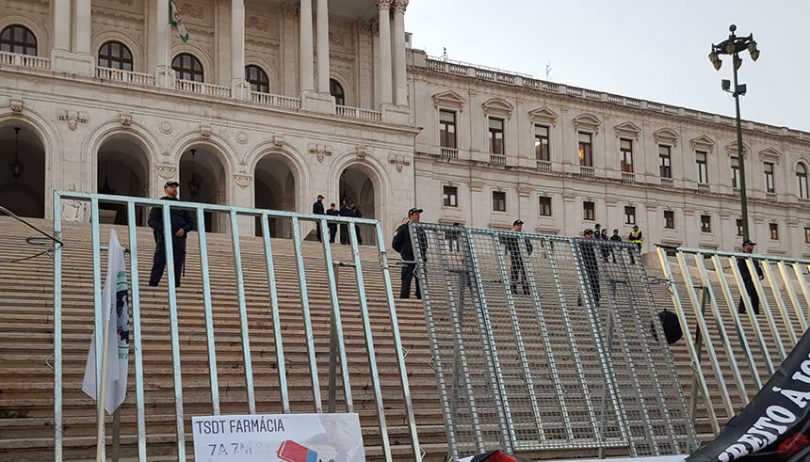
(735, 172)
(589, 211)
(773, 228)
(739, 227)
(630, 215)
(336, 90)
(807, 235)
(496, 136)
(801, 181)
(541, 146)
(665, 161)
(669, 219)
(115, 55)
(18, 39)
(257, 79)
(769, 181)
(585, 149)
(498, 201)
(545, 206)
(702, 167)
(447, 129)
(706, 223)
(188, 67)
(450, 196)
(626, 151)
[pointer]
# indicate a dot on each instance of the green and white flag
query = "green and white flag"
(177, 22)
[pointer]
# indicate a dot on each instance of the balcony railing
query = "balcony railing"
(497, 159)
(203, 88)
(544, 165)
(449, 153)
(270, 99)
(628, 177)
(586, 171)
(358, 113)
(33, 62)
(667, 182)
(136, 78)
(704, 187)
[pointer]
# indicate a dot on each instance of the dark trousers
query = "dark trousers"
(159, 260)
(318, 231)
(518, 275)
(407, 276)
(752, 293)
(332, 232)
(593, 280)
(344, 234)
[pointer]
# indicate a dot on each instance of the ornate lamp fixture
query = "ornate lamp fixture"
(193, 183)
(16, 166)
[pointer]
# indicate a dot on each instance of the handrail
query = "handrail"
(32, 240)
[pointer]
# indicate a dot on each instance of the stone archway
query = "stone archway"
(275, 189)
(356, 185)
(22, 169)
(122, 169)
(203, 179)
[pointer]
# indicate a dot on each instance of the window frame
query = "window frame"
(589, 211)
(499, 198)
(702, 166)
(545, 204)
(542, 143)
(665, 157)
(444, 133)
(585, 149)
(739, 224)
(340, 96)
(807, 235)
(773, 231)
(669, 219)
(122, 60)
(770, 177)
(497, 145)
(9, 45)
(629, 215)
(706, 224)
(735, 172)
(801, 181)
(449, 196)
(625, 154)
(181, 70)
(257, 83)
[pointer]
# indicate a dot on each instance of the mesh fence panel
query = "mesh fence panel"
(541, 342)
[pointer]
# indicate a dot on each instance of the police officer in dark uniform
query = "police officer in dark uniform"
(345, 211)
(182, 222)
(402, 244)
(518, 274)
(588, 253)
(748, 280)
(317, 209)
(333, 212)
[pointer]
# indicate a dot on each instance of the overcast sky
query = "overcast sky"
(645, 49)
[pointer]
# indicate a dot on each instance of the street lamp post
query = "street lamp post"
(733, 45)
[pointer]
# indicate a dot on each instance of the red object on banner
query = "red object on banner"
(294, 452)
(792, 445)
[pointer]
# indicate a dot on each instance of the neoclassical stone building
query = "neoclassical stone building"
(259, 108)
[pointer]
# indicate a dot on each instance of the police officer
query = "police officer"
(345, 211)
(588, 253)
(748, 280)
(182, 222)
(333, 212)
(636, 237)
(402, 244)
(317, 209)
(518, 273)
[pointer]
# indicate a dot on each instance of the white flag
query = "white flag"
(113, 296)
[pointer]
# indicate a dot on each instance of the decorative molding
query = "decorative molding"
(205, 130)
(731, 149)
(260, 23)
(666, 136)
(400, 6)
(702, 143)
(771, 155)
(166, 171)
(243, 180)
(73, 118)
(498, 107)
(337, 39)
(544, 115)
(197, 12)
(399, 160)
(289, 10)
(17, 105)
(384, 4)
(278, 141)
(361, 150)
(320, 150)
(241, 138)
(125, 117)
(627, 130)
(587, 122)
(449, 99)
(165, 127)
(476, 185)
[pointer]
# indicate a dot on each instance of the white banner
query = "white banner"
(278, 437)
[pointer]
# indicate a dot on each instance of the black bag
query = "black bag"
(671, 325)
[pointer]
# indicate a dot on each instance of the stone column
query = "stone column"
(239, 87)
(384, 71)
(305, 44)
(72, 26)
(323, 46)
(164, 72)
(61, 27)
(81, 33)
(400, 82)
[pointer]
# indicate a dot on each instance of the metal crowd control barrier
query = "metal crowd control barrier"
(273, 379)
(544, 342)
(743, 312)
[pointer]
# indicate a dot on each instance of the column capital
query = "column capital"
(400, 6)
(384, 4)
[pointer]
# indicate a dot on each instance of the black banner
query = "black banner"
(776, 423)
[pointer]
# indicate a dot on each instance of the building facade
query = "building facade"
(261, 109)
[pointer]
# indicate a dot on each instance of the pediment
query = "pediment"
(587, 122)
(449, 99)
(770, 155)
(666, 136)
(702, 143)
(628, 130)
(544, 115)
(731, 149)
(498, 106)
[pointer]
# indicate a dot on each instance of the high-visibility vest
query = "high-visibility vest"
(635, 237)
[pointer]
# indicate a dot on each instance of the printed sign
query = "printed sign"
(278, 437)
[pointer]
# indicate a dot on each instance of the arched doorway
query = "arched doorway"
(22, 169)
(122, 169)
(356, 186)
(275, 188)
(203, 179)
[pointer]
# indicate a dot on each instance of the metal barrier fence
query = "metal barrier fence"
(544, 342)
(740, 314)
(267, 383)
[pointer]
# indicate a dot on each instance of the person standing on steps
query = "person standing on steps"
(591, 267)
(182, 222)
(518, 273)
(332, 212)
(748, 280)
(345, 211)
(615, 238)
(402, 244)
(637, 239)
(317, 209)
(355, 212)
